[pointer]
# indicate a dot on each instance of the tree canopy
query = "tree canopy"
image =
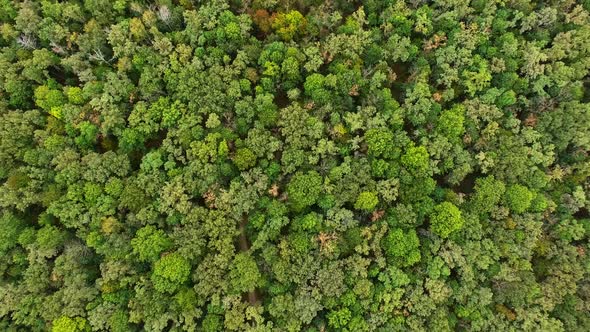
(277, 165)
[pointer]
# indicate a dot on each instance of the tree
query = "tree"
(48, 98)
(416, 159)
(518, 198)
(450, 122)
(170, 272)
(244, 158)
(212, 323)
(339, 318)
(88, 135)
(288, 25)
(379, 141)
(11, 227)
(244, 275)
(67, 324)
(322, 165)
(304, 189)
(402, 247)
(149, 243)
(488, 193)
(478, 78)
(366, 201)
(445, 219)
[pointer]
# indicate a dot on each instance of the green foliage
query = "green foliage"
(288, 25)
(212, 323)
(67, 324)
(366, 201)
(379, 141)
(244, 158)
(477, 78)
(304, 189)
(450, 122)
(49, 238)
(310, 221)
(315, 87)
(416, 159)
(75, 95)
(539, 203)
(11, 227)
(488, 193)
(170, 272)
(445, 219)
(518, 198)
(294, 165)
(339, 318)
(244, 275)
(149, 243)
(402, 247)
(87, 137)
(48, 98)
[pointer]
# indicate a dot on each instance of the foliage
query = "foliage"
(305, 165)
(518, 198)
(170, 272)
(379, 141)
(304, 189)
(488, 193)
(244, 158)
(67, 324)
(149, 243)
(366, 201)
(289, 24)
(244, 275)
(403, 247)
(416, 159)
(445, 219)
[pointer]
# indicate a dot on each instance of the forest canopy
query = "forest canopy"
(294, 165)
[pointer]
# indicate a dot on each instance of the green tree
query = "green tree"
(366, 201)
(48, 98)
(339, 318)
(288, 25)
(445, 219)
(400, 165)
(11, 227)
(402, 247)
(450, 122)
(67, 324)
(88, 135)
(244, 158)
(149, 243)
(379, 141)
(518, 198)
(170, 272)
(244, 275)
(416, 159)
(304, 189)
(488, 193)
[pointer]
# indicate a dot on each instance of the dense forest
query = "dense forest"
(294, 165)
